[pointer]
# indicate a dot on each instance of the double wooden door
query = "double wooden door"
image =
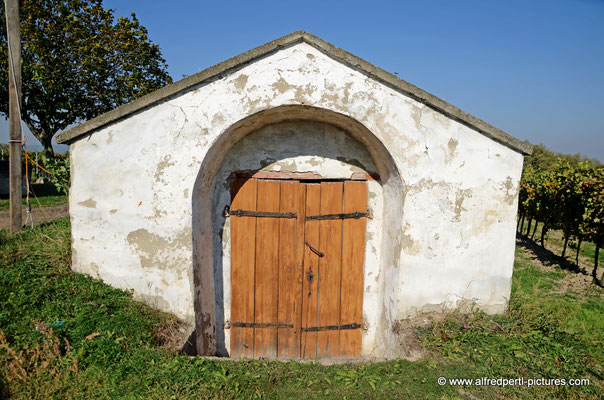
(297, 253)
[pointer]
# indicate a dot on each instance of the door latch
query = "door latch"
(316, 251)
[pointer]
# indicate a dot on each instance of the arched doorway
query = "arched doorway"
(310, 150)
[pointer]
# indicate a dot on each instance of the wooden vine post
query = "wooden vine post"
(14, 116)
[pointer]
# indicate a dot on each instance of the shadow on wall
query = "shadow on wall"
(189, 347)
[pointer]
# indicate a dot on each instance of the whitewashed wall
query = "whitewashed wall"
(132, 187)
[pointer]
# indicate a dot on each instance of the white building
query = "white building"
(229, 198)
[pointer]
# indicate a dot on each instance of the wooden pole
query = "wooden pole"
(14, 114)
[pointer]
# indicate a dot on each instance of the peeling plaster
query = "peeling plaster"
(161, 167)
(90, 203)
(409, 245)
(511, 191)
(241, 81)
(460, 196)
(451, 154)
(154, 250)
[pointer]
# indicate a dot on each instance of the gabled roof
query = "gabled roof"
(332, 51)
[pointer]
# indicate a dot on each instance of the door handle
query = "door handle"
(316, 251)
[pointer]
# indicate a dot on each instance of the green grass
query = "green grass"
(548, 332)
(45, 195)
(41, 201)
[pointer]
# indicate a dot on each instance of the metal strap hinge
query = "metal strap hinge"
(356, 215)
(331, 328)
(240, 324)
(262, 214)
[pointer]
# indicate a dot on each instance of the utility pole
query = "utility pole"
(14, 113)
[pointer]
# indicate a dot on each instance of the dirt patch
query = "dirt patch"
(406, 333)
(38, 215)
(576, 283)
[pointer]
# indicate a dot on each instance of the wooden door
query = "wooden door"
(297, 252)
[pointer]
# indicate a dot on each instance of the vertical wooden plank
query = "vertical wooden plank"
(243, 244)
(308, 345)
(289, 271)
(267, 265)
(353, 257)
(300, 247)
(330, 269)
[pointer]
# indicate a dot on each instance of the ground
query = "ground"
(38, 215)
(554, 244)
(47, 204)
(67, 335)
(548, 260)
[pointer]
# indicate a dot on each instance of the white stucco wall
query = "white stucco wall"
(132, 187)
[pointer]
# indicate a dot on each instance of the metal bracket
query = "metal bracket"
(240, 324)
(261, 214)
(355, 215)
(331, 328)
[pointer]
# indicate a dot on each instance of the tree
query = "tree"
(543, 159)
(78, 62)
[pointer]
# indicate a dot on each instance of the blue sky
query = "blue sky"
(534, 69)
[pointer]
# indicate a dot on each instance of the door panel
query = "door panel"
(243, 238)
(330, 270)
(289, 272)
(311, 271)
(267, 265)
(297, 283)
(353, 255)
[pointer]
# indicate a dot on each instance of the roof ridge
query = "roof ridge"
(330, 50)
